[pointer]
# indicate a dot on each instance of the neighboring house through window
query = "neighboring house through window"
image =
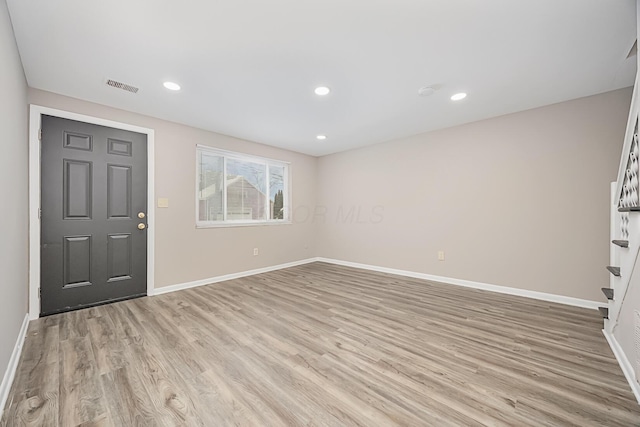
(238, 189)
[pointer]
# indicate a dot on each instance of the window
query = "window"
(237, 189)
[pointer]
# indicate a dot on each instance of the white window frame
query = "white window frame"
(248, 158)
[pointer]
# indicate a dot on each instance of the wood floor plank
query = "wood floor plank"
(321, 345)
(36, 403)
(81, 396)
(171, 403)
(107, 349)
(127, 400)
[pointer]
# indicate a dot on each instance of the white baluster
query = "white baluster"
(625, 196)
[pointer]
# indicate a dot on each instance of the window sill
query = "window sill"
(243, 224)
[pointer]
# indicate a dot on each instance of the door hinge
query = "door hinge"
(40, 134)
(39, 293)
(39, 213)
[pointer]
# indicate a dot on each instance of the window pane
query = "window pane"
(210, 186)
(238, 189)
(246, 190)
(276, 191)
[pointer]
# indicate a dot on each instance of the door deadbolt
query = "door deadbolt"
(141, 215)
(141, 226)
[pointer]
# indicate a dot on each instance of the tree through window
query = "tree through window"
(234, 188)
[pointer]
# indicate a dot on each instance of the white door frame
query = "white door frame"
(35, 115)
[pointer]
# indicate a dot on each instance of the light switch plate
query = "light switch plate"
(163, 202)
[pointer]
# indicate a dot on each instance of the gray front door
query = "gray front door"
(94, 207)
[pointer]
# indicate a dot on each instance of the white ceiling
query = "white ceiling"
(248, 67)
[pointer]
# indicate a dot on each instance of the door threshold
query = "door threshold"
(92, 305)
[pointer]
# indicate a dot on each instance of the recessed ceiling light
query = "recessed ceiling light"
(321, 137)
(459, 96)
(322, 90)
(171, 85)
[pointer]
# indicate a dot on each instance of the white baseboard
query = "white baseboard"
(469, 284)
(625, 365)
(560, 299)
(202, 282)
(10, 373)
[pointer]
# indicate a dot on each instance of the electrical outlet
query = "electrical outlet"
(256, 252)
(440, 255)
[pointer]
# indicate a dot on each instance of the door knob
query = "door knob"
(141, 226)
(141, 215)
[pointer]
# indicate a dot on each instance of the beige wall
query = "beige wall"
(184, 253)
(520, 200)
(14, 182)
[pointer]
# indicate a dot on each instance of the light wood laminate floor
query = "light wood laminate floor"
(321, 345)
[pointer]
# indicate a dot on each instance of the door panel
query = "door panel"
(122, 148)
(78, 141)
(94, 182)
(118, 191)
(119, 257)
(77, 261)
(77, 190)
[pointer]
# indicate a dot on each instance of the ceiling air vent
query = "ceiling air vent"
(123, 86)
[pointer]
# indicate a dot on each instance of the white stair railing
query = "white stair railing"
(625, 213)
